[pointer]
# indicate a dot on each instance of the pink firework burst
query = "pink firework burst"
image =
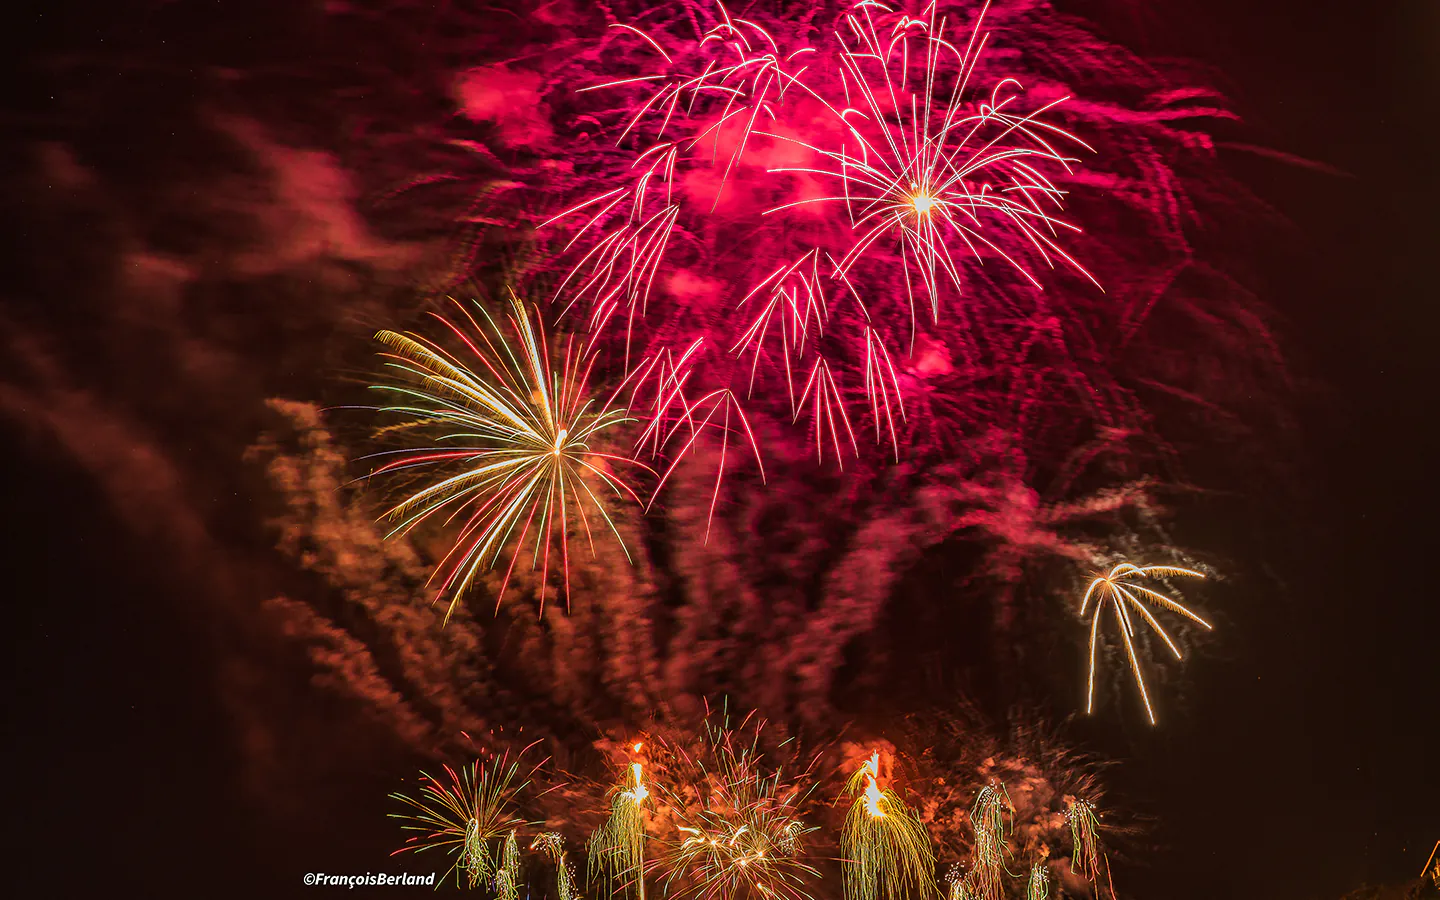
(851, 220)
(915, 162)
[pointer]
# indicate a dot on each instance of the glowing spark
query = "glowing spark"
(884, 847)
(1118, 593)
(516, 445)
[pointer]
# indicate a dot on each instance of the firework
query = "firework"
(553, 843)
(884, 846)
(617, 848)
(1117, 592)
(802, 187)
(516, 445)
(463, 814)
(988, 818)
(959, 883)
(677, 416)
(1038, 885)
(619, 270)
(1084, 836)
(740, 834)
(913, 166)
(735, 60)
(507, 874)
(795, 304)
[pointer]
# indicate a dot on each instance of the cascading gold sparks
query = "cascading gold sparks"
(1118, 592)
(884, 846)
(515, 442)
(617, 848)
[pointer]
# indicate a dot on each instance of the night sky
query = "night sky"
(1302, 763)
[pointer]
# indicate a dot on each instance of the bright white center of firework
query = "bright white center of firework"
(873, 795)
(560, 440)
(640, 792)
(922, 203)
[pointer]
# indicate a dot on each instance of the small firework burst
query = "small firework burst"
(740, 831)
(514, 440)
(507, 874)
(1117, 592)
(553, 844)
(958, 882)
(884, 846)
(464, 814)
(1037, 887)
(1084, 836)
(617, 848)
(988, 818)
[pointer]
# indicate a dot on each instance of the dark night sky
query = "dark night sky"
(1300, 769)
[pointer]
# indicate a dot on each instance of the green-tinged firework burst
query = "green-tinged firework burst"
(740, 834)
(1084, 837)
(884, 845)
(513, 438)
(464, 814)
(553, 843)
(1038, 886)
(617, 848)
(507, 875)
(988, 818)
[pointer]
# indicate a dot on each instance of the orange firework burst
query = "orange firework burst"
(740, 831)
